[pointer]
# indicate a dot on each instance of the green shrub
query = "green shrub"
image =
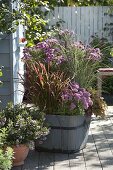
(22, 127)
(6, 159)
(6, 155)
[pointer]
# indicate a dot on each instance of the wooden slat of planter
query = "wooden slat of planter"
(68, 134)
(102, 145)
(91, 155)
(61, 162)
(46, 161)
(77, 161)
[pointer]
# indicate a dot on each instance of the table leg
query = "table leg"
(99, 84)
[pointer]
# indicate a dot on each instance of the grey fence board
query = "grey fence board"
(4, 46)
(4, 100)
(5, 89)
(6, 74)
(84, 21)
(4, 60)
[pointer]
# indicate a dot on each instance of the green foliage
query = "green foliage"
(28, 13)
(1, 74)
(93, 2)
(6, 154)
(99, 105)
(5, 16)
(6, 158)
(22, 127)
(3, 135)
(81, 2)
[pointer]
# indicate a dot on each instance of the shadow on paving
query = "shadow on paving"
(108, 98)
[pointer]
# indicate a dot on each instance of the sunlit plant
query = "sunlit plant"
(59, 71)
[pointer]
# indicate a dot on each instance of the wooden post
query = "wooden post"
(99, 84)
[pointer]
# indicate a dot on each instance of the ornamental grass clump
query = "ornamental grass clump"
(54, 68)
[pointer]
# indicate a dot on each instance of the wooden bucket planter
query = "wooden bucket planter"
(68, 134)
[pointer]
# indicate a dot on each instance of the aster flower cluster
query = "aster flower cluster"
(50, 49)
(94, 54)
(74, 95)
(66, 32)
(26, 52)
(79, 45)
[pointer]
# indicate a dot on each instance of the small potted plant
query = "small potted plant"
(22, 128)
(59, 74)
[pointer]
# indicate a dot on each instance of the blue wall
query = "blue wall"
(11, 52)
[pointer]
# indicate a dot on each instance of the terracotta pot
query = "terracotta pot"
(20, 154)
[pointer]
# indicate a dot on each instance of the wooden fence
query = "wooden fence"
(84, 21)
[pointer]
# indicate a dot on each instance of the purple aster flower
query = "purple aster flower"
(66, 32)
(52, 41)
(26, 52)
(42, 45)
(72, 106)
(81, 93)
(74, 85)
(85, 103)
(59, 59)
(90, 102)
(86, 94)
(79, 45)
(93, 54)
(77, 96)
(65, 97)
